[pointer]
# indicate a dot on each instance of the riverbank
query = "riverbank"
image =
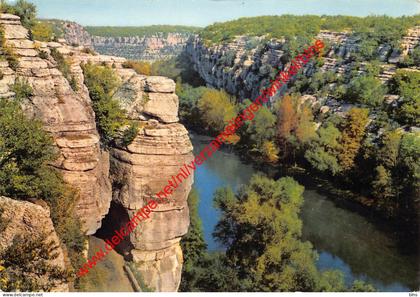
(345, 238)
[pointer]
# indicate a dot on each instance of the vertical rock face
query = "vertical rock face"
(67, 115)
(25, 218)
(143, 168)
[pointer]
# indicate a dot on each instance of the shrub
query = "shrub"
(42, 31)
(22, 89)
(43, 54)
(89, 51)
(101, 82)
(139, 66)
(64, 66)
(130, 133)
(27, 265)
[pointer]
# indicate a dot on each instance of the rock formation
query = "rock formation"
(67, 115)
(150, 48)
(244, 65)
(136, 172)
(25, 218)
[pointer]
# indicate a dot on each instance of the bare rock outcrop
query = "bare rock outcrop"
(142, 169)
(69, 117)
(25, 218)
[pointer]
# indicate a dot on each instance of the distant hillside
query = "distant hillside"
(139, 31)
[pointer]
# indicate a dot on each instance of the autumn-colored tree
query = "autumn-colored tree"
(140, 67)
(287, 118)
(352, 135)
(270, 152)
(216, 108)
(305, 129)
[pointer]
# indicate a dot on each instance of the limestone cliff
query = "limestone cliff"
(136, 172)
(150, 48)
(67, 115)
(244, 65)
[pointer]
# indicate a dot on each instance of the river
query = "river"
(344, 239)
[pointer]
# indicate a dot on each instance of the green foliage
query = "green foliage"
(25, 10)
(324, 149)
(407, 85)
(27, 265)
(139, 31)
(262, 230)
(361, 286)
(22, 89)
(366, 90)
(65, 68)
(189, 96)
(130, 133)
(42, 31)
(25, 152)
(139, 66)
(7, 52)
(298, 30)
(101, 82)
(353, 132)
(262, 127)
(193, 246)
(216, 109)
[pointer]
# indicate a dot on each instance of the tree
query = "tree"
(407, 85)
(261, 129)
(323, 151)
(352, 136)
(216, 108)
(25, 152)
(270, 152)
(287, 118)
(262, 230)
(366, 89)
(193, 246)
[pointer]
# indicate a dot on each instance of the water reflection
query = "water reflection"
(344, 239)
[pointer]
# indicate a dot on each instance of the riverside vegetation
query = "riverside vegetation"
(369, 150)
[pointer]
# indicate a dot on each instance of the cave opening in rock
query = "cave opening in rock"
(114, 220)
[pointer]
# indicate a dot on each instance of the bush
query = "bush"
(139, 66)
(101, 82)
(42, 31)
(25, 10)
(22, 89)
(130, 133)
(27, 265)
